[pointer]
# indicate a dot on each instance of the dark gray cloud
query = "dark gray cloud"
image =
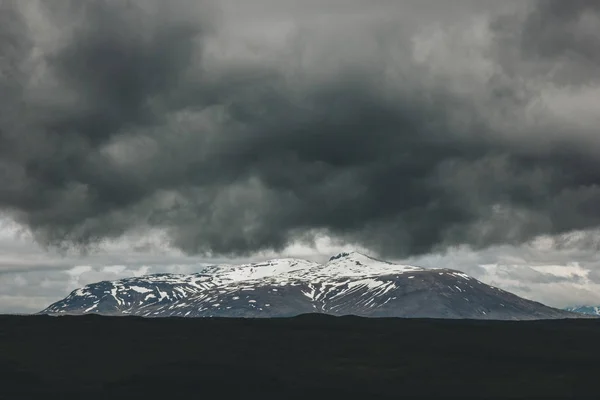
(123, 116)
(558, 29)
(555, 39)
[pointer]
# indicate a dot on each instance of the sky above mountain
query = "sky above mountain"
(145, 135)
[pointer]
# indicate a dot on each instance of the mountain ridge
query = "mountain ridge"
(584, 309)
(350, 283)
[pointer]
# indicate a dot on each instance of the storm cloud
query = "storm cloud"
(122, 116)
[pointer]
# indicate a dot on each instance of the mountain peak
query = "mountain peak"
(351, 254)
(338, 256)
(358, 258)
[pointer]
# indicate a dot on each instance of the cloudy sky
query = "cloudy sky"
(151, 136)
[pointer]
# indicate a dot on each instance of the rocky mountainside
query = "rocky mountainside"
(350, 283)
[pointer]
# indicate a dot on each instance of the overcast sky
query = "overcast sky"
(152, 136)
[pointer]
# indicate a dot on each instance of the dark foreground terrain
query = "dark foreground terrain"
(310, 356)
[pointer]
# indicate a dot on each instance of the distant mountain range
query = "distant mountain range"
(350, 283)
(588, 310)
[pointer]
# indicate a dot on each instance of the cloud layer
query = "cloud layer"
(125, 116)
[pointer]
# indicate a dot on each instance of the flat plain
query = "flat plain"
(309, 356)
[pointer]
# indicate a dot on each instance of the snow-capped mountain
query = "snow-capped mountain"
(588, 310)
(350, 283)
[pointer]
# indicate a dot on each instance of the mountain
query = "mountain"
(350, 283)
(588, 310)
